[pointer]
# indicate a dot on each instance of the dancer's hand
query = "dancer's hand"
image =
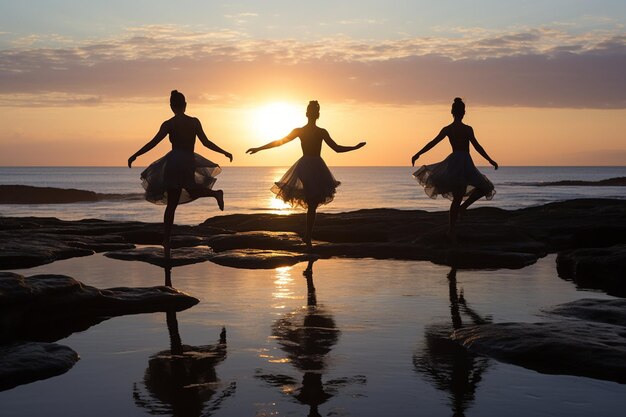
(359, 146)
(415, 157)
(495, 164)
(252, 150)
(131, 160)
(229, 156)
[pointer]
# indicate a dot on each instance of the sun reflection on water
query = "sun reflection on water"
(282, 286)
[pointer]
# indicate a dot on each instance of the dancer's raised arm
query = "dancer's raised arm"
(339, 148)
(429, 145)
(481, 150)
(208, 144)
(161, 134)
(291, 136)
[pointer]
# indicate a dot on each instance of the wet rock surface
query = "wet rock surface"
(40, 309)
(50, 307)
(259, 259)
(487, 237)
(154, 255)
(596, 268)
(257, 240)
(25, 362)
(587, 338)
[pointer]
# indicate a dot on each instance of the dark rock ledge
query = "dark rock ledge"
(584, 338)
(40, 309)
(595, 268)
(25, 362)
(488, 237)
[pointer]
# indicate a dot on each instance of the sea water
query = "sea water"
(246, 190)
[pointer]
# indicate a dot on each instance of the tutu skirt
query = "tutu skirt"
(178, 169)
(308, 181)
(454, 175)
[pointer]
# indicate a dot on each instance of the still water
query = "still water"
(354, 338)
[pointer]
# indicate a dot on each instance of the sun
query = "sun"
(275, 120)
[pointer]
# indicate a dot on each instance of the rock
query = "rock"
(590, 309)
(26, 194)
(50, 307)
(154, 255)
(257, 240)
(590, 342)
(609, 182)
(488, 237)
(258, 258)
(598, 268)
(572, 348)
(37, 250)
(25, 362)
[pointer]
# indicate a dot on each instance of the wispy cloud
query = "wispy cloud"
(526, 67)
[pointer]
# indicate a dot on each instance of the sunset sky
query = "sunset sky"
(87, 83)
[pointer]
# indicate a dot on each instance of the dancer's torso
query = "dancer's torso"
(311, 138)
(182, 131)
(459, 135)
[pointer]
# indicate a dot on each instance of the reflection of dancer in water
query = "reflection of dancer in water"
(180, 176)
(309, 182)
(181, 380)
(449, 366)
(307, 336)
(455, 177)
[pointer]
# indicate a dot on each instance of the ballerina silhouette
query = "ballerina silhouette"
(309, 182)
(449, 366)
(180, 176)
(307, 336)
(182, 381)
(456, 177)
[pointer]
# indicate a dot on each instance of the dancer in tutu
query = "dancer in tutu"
(456, 177)
(180, 176)
(309, 182)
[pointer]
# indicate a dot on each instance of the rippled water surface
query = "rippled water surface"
(357, 338)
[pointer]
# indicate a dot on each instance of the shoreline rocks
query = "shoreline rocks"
(38, 310)
(26, 362)
(595, 268)
(488, 237)
(50, 307)
(27, 194)
(585, 338)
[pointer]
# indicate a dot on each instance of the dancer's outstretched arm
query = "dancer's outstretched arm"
(481, 150)
(430, 145)
(162, 133)
(294, 134)
(210, 145)
(339, 148)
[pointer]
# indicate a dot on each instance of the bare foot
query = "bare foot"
(219, 196)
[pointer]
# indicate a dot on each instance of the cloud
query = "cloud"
(536, 67)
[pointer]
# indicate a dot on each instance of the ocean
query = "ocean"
(246, 190)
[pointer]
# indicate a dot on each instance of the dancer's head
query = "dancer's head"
(458, 108)
(313, 110)
(177, 102)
